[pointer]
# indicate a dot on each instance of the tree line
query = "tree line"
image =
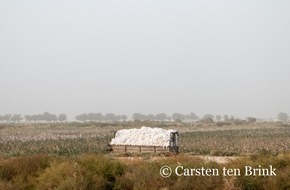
(45, 117)
(206, 118)
(162, 117)
(100, 117)
(49, 117)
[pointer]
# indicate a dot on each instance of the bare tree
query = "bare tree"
(226, 117)
(46, 116)
(138, 116)
(28, 118)
(208, 116)
(7, 117)
(150, 117)
(218, 117)
(161, 116)
(81, 117)
(123, 117)
(178, 116)
(251, 119)
(16, 118)
(110, 117)
(62, 117)
(192, 116)
(283, 117)
(99, 117)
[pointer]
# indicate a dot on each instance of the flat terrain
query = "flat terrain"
(75, 156)
(195, 138)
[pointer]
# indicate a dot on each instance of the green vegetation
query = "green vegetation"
(236, 142)
(105, 172)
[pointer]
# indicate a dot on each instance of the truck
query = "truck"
(145, 140)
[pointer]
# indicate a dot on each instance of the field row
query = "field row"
(232, 142)
(219, 142)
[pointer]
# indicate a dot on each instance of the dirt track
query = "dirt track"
(217, 159)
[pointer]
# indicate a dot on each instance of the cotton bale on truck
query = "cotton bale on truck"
(145, 140)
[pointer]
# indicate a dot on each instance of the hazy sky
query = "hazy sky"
(201, 56)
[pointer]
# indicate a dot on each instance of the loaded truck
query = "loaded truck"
(144, 140)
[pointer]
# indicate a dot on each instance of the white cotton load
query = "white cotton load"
(145, 136)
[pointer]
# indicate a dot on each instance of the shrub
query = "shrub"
(63, 175)
(20, 171)
(99, 167)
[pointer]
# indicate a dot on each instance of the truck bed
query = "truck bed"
(138, 148)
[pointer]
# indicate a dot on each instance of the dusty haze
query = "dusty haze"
(218, 57)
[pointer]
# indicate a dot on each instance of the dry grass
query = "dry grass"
(106, 172)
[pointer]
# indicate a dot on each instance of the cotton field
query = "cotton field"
(41, 133)
(79, 138)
